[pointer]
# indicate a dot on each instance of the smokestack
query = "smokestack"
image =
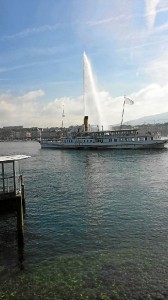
(85, 123)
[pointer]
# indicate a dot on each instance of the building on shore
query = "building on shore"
(10, 133)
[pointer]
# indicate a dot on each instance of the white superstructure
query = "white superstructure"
(111, 139)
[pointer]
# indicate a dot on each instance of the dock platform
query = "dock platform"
(12, 188)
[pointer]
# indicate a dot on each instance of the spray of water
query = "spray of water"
(91, 98)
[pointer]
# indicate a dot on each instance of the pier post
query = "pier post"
(22, 189)
(20, 219)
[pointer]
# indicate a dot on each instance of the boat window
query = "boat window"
(152, 138)
(115, 140)
(146, 138)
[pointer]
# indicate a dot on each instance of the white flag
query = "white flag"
(128, 100)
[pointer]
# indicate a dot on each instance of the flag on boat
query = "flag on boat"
(128, 100)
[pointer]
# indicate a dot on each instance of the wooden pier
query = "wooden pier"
(12, 189)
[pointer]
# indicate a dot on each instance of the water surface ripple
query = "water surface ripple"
(91, 203)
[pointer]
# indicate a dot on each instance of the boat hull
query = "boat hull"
(159, 144)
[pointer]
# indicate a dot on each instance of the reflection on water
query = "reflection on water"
(11, 244)
(21, 254)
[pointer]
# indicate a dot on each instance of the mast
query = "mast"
(126, 101)
(122, 113)
(63, 116)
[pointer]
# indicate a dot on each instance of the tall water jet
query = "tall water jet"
(90, 94)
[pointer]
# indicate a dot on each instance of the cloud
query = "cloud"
(6, 108)
(23, 110)
(148, 101)
(161, 28)
(157, 69)
(108, 20)
(73, 109)
(29, 65)
(31, 31)
(151, 12)
(16, 110)
(31, 96)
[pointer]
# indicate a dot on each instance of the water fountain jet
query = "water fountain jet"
(90, 94)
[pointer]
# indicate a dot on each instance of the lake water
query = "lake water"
(107, 206)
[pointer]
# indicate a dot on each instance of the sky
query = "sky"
(41, 60)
